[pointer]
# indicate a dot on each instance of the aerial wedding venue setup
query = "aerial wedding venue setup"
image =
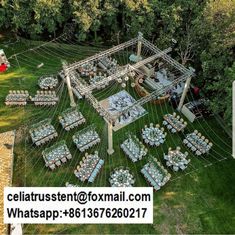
(116, 86)
(141, 74)
(120, 96)
(122, 117)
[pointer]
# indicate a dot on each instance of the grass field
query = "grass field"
(199, 200)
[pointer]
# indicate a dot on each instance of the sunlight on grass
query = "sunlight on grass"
(169, 195)
(179, 206)
(4, 123)
(16, 74)
(195, 178)
(13, 119)
(190, 193)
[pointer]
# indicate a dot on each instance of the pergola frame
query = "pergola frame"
(86, 90)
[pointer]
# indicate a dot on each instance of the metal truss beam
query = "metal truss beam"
(153, 95)
(86, 90)
(126, 70)
(102, 54)
(167, 58)
(109, 118)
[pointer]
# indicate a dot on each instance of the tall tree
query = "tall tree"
(47, 16)
(87, 14)
(217, 31)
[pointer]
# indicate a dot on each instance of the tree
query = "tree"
(5, 10)
(86, 14)
(32, 17)
(139, 16)
(216, 34)
(47, 16)
(222, 102)
(187, 46)
(21, 11)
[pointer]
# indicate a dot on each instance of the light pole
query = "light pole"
(139, 45)
(67, 77)
(186, 87)
(110, 138)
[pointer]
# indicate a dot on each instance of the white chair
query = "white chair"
(189, 145)
(169, 127)
(164, 123)
(168, 163)
(175, 168)
(182, 167)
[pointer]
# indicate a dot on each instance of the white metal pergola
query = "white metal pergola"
(86, 90)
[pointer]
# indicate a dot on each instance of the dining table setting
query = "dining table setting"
(121, 177)
(47, 82)
(87, 69)
(176, 159)
(42, 132)
(153, 135)
(197, 143)
(108, 63)
(89, 167)
(71, 118)
(45, 98)
(134, 148)
(86, 138)
(17, 97)
(155, 174)
(174, 122)
(56, 155)
(97, 78)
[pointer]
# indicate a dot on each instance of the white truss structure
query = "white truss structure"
(86, 90)
(108, 52)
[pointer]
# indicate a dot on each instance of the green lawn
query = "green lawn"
(198, 200)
